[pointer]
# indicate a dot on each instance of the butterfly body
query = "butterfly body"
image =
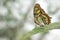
(40, 13)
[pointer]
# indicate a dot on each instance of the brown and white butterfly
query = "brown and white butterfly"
(40, 13)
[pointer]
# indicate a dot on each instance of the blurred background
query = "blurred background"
(16, 18)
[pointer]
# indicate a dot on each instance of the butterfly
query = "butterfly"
(38, 12)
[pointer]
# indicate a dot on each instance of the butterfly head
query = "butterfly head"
(37, 5)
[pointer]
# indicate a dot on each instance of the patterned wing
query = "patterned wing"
(36, 13)
(45, 18)
(39, 12)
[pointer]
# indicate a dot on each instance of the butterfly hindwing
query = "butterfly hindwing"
(46, 19)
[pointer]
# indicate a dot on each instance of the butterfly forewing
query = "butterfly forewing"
(39, 12)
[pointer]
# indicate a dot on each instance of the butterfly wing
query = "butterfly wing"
(36, 13)
(39, 12)
(45, 18)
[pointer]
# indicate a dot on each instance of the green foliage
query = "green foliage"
(43, 30)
